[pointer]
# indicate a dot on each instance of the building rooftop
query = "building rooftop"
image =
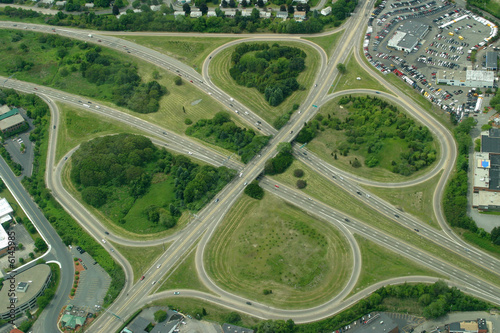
(377, 323)
(4, 109)
(491, 59)
(494, 172)
(490, 141)
(22, 287)
(479, 75)
(414, 28)
(11, 121)
(4, 238)
(451, 75)
(35, 276)
(230, 328)
(482, 173)
(138, 325)
(464, 326)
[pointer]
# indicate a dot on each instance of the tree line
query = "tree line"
(109, 164)
(223, 132)
(368, 127)
(273, 70)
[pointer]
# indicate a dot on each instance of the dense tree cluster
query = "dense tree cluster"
(223, 132)
(370, 125)
(281, 161)
(118, 77)
(273, 70)
(254, 190)
(437, 300)
(104, 165)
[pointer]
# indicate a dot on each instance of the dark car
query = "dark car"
(346, 219)
(249, 303)
(396, 215)
(107, 233)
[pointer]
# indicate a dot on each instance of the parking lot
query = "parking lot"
(453, 35)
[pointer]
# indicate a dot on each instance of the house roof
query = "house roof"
(11, 121)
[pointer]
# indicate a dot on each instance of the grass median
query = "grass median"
(251, 97)
(328, 42)
(274, 253)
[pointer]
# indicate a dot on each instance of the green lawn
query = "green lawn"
(380, 264)
(325, 191)
(141, 258)
(416, 200)
(326, 142)
(269, 244)
(190, 50)
(328, 42)
(349, 79)
(215, 312)
(184, 275)
(77, 125)
(250, 97)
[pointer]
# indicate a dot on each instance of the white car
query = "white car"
(190, 153)
(158, 266)
(104, 241)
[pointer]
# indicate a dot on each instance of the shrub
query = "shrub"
(301, 183)
(254, 190)
(298, 173)
(178, 81)
(188, 121)
(356, 163)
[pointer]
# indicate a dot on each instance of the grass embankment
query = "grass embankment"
(416, 200)
(141, 258)
(250, 97)
(327, 42)
(77, 126)
(150, 197)
(271, 245)
(214, 312)
(349, 79)
(380, 264)
(336, 197)
(190, 50)
(326, 143)
(184, 275)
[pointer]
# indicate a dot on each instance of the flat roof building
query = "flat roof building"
(230, 328)
(379, 322)
(491, 61)
(486, 181)
(33, 281)
(407, 36)
(471, 78)
(11, 120)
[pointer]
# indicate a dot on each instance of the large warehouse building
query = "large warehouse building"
(471, 78)
(408, 36)
(486, 194)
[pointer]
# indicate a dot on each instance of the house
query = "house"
(282, 15)
(301, 1)
(326, 11)
(196, 14)
(264, 14)
(60, 3)
(211, 13)
(89, 5)
(246, 12)
(47, 2)
(230, 328)
(156, 8)
(179, 13)
(299, 16)
(137, 10)
(229, 12)
(184, 1)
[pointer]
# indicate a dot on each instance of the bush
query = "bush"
(160, 316)
(178, 81)
(298, 173)
(254, 190)
(356, 163)
(188, 121)
(301, 184)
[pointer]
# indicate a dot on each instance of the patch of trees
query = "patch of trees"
(223, 132)
(436, 299)
(112, 74)
(254, 190)
(128, 162)
(281, 161)
(370, 125)
(284, 118)
(273, 70)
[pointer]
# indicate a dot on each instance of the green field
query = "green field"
(269, 244)
(325, 191)
(250, 97)
(190, 50)
(328, 42)
(416, 200)
(349, 79)
(380, 264)
(77, 125)
(153, 195)
(141, 258)
(215, 313)
(184, 275)
(326, 142)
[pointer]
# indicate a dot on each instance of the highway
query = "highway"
(206, 221)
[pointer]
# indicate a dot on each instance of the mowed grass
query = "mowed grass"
(184, 275)
(380, 264)
(215, 312)
(155, 194)
(190, 50)
(327, 42)
(77, 125)
(349, 79)
(416, 200)
(251, 97)
(326, 142)
(269, 244)
(323, 190)
(141, 258)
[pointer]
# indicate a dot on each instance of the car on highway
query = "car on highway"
(104, 241)
(158, 266)
(153, 282)
(176, 293)
(396, 215)
(99, 40)
(107, 233)
(376, 92)
(97, 107)
(277, 186)
(36, 88)
(346, 219)
(249, 303)
(216, 200)
(416, 230)
(190, 153)
(191, 81)
(245, 184)
(142, 278)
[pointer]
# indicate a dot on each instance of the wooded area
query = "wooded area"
(370, 125)
(273, 70)
(112, 164)
(223, 132)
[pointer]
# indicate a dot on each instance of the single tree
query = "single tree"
(341, 68)
(186, 8)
